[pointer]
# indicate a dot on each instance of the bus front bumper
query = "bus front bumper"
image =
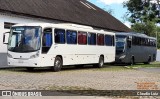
(23, 62)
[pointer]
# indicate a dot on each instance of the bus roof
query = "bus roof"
(66, 26)
(134, 34)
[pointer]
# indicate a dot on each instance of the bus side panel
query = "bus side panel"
(82, 54)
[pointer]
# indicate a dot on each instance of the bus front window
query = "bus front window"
(120, 44)
(24, 39)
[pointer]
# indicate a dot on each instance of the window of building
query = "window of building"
(8, 25)
(100, 39)
(82, 38)
(59, 36)
(91, 38)
(109, 40)
(71, 37)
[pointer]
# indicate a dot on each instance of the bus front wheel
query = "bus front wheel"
(57, 64)
(132, 61)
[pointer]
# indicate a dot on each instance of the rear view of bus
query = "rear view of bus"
(134, 48)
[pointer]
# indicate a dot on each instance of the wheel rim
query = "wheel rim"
(132, 61)
(58, 63)
(101, 62)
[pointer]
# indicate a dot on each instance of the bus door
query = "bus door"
(129, 51)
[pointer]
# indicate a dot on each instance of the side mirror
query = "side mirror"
(5, 37)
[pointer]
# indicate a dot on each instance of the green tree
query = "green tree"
(144, 15)
(148, 28)
(158, 37)
(141, 11)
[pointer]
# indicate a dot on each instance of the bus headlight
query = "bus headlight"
(123, 56)
(9, 55)
(35, 56)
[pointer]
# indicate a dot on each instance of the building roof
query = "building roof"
(73, 11)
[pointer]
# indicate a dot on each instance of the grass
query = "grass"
(141, 65)
(128, 67)
(112, 68)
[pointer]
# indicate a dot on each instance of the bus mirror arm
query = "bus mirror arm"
(5, 37)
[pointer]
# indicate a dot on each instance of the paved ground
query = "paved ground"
(88, 78)
(108, 78)
(150, 70)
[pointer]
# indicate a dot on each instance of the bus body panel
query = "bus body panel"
(82, 54)
(72, 54)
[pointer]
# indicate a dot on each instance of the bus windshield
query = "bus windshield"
(120, 44)
(24, 39)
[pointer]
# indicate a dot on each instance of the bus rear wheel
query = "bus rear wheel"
(100, 63)
(57, 64)
(148, 62)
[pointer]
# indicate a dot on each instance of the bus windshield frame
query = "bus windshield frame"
(120, 43)
(25, 39)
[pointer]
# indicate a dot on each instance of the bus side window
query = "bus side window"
(82, 38)
(59, 36)
(71, 37)
(113, 40)
(100, 39)
(91, 38)
(47, 40)
(109, 40)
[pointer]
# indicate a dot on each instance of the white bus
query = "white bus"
(56, 45)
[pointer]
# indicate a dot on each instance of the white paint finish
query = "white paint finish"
(71, 54)
(83, 54)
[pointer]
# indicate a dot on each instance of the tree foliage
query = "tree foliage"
(158, 37)
(141, 11)
(144, 15)
(148, 28)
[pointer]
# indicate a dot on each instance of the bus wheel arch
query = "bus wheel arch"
(132, 61)
(149, 60)
(58, 63)
(100, 62)
(60, 57)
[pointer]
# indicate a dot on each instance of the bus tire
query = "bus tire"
(100, 63)
(57, 64)
(132, 61)
(149, 60)
(30, 68)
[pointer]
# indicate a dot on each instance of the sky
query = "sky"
(115, 5)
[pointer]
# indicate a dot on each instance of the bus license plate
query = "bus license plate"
(20, 61)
